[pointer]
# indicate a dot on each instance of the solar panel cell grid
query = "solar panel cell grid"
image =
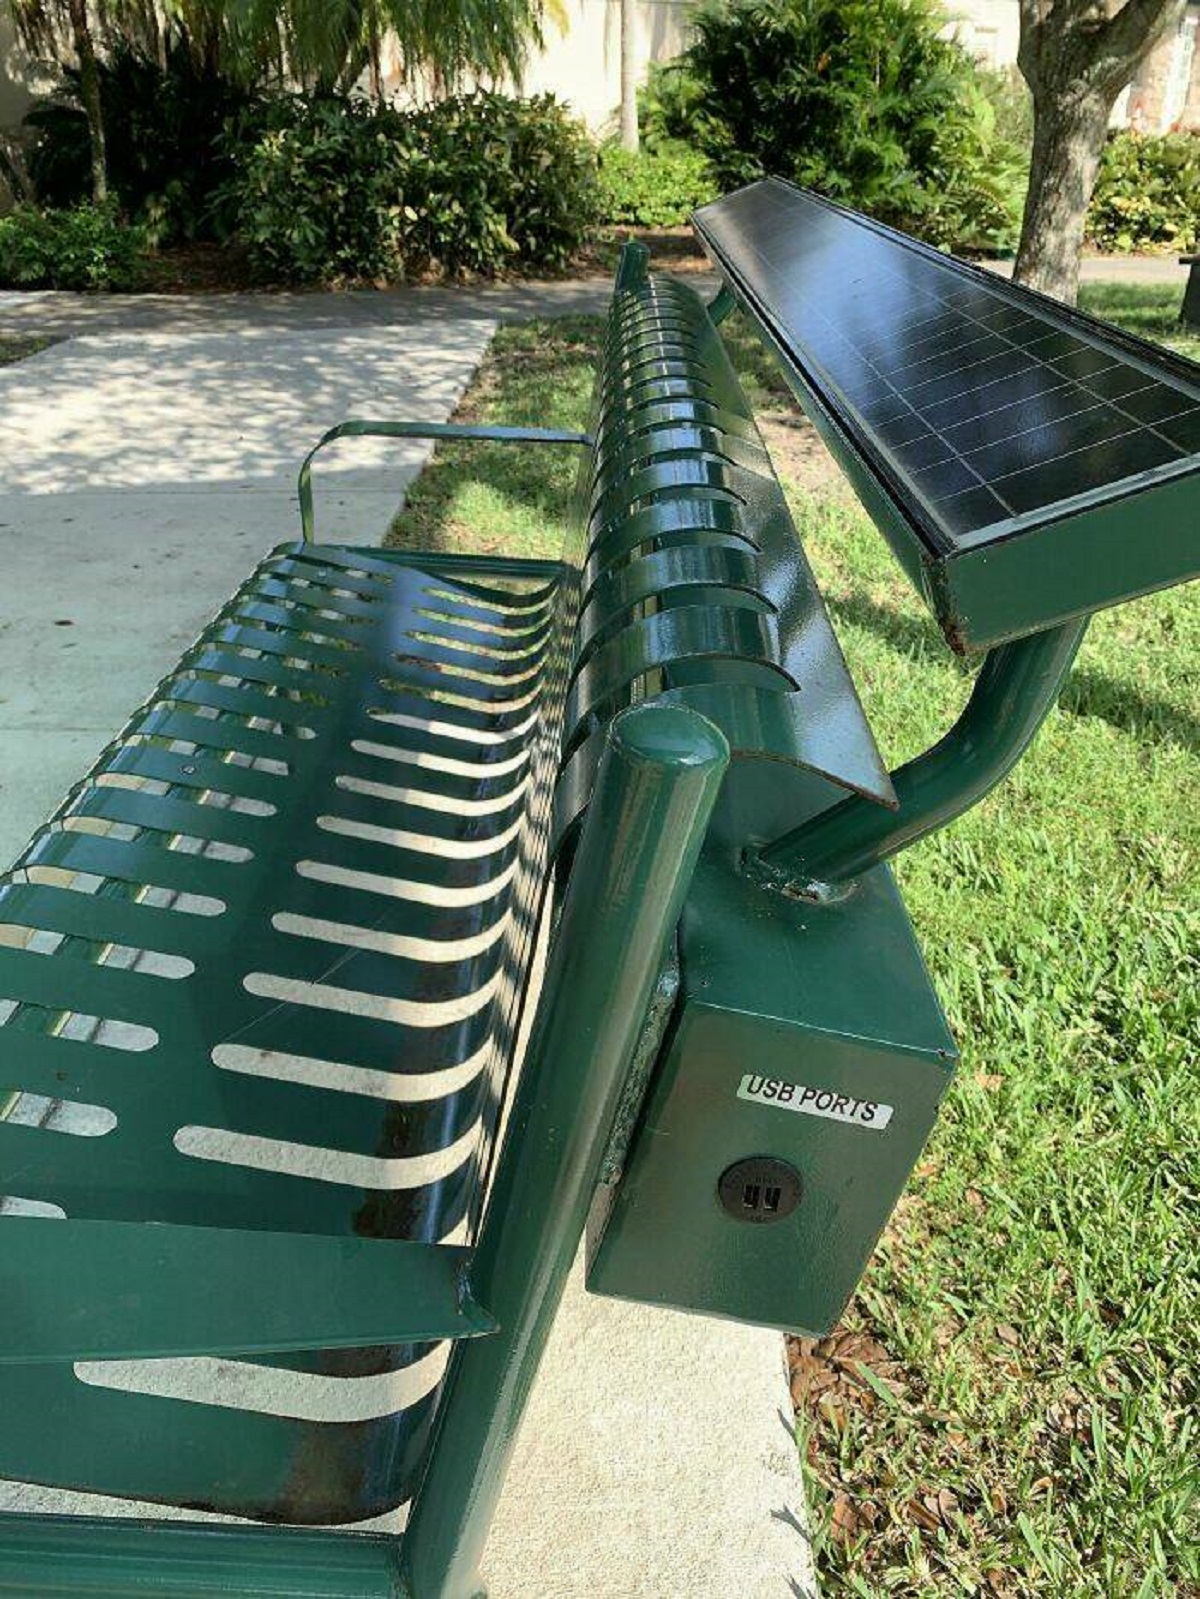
(993, 415)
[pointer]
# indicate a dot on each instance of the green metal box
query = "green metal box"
(803, 1033)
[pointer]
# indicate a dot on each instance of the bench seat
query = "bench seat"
(291, 912)
(264, 970)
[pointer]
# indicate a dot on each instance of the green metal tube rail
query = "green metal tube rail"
(722, 304)
(655, 791)
(100, 1557)
(1016, 687)
(478, 432)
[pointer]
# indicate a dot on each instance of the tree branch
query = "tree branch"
(1132, 31)
(1033, 15)
(1037, 16)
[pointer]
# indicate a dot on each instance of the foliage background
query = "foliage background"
(863, 100)
(84, 247)
(336, 188)
(658, 188)
(172, 124)
(1148, 193)
(869, 104)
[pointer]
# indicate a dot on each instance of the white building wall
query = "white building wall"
(580, 61)
(582, 64)
(990, 29)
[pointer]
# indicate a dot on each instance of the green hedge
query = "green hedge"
(167, 148)
(652, 188)
(340, 189)
(864, 100)
(86, 247)
(1148, 193)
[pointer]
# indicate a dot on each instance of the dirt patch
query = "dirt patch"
(15, 347)
(226, 269)
(799, 454)
(200, 269)
(835, 1381)
(671, 250)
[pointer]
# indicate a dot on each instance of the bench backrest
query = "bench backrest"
(693, 587)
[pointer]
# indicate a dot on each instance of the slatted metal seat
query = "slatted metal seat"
(264, 970)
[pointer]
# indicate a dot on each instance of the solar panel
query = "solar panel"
(981, 412)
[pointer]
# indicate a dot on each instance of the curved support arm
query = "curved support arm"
(633, 267)
(721, 304)
(1016, 686)
(422, 430)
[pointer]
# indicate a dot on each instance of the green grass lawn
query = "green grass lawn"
(1150, 311)
(15, 347)
(1010, 1407)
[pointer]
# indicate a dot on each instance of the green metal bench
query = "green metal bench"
(283, 1226)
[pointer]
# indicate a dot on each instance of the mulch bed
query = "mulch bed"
(225, 268)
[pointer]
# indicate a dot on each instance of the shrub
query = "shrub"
(497, 182)
(669, 105)
(316, 195)
(1147, 194)
(1010, 99)
(168, 159)
(971, 192)
(336, 188)
(863, 100)
(87, 247)
(652, 188)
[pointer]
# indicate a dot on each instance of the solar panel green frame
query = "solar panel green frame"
(1027, 463)
(875, 331)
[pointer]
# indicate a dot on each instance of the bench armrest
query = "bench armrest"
(357, 429)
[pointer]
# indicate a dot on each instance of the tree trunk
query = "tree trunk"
(89, 93)
(629, 119)
(375, 55)
(1076, 56)
(1068, 140)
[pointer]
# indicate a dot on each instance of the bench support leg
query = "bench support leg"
(654, 794)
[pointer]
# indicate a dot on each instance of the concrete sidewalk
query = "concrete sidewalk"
(150, 460)
(57, 314)
(1147, 270)
(144, 473)
(312, 314)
